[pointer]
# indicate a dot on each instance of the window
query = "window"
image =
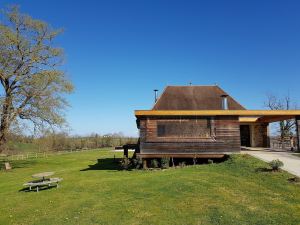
(193, 128)
(161, 130)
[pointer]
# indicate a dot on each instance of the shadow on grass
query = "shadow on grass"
(263, 170)
(105, 164)
(294, 180)
(114, 164)
(44, 188)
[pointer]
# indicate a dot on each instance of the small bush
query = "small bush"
(182, 164)
(294, 180)
(154, 163)
(137, 163)
(194, 161)
(276, 164)
(210, 161)
(125, 163)
(165, 163)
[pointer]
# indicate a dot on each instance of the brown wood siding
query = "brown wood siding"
(227, 138)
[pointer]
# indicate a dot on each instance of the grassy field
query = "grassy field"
(233, 192)
(297, 154)
(22, 148)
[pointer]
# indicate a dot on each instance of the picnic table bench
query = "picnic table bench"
(43, 181)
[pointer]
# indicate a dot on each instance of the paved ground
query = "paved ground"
(291, 162)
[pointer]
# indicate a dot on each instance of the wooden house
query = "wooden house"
(202, 122)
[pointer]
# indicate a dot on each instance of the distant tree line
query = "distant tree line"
(63, 141)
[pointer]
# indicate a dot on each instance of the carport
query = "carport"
(254, 125)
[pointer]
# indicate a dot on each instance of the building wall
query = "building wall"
(226, 138)
(260, 135)
(298, 131)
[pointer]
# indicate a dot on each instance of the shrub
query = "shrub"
(134, 163)
(182, 164)
(276, 164)
(154, 163)
(137, 163)
(210, 161)
(125, 163)
(194, 160)
(165, 163)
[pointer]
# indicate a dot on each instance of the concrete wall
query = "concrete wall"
(259, 135)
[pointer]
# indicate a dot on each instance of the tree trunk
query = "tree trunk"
(4, 126)
(3, 132)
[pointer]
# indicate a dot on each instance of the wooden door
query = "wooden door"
(245, 135)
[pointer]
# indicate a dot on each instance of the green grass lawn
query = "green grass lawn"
(233, 192)
(296, 154)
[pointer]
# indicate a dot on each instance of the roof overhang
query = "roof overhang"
(245, 116)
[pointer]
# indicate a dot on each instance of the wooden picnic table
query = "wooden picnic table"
(43, 175)
(44, 180)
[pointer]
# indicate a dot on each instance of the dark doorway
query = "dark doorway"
(245, 135)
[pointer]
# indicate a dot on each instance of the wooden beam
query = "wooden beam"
(248, 119)
(139, 113)
(271, 119)
(178, 155)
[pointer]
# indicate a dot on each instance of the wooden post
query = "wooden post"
(298, 132)
(7, 166)
(126, 152)
(144, 163)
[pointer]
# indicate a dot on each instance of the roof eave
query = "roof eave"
(140, 113)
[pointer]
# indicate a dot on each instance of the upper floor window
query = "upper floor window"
(192, 128)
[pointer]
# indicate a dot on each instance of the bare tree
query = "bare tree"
(286, 127)
(32, 82)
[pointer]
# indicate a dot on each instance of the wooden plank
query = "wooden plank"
(248, 119)
(225, 129)
(271, 119)
(144, 156)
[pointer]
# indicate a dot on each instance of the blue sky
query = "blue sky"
(117, 52)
